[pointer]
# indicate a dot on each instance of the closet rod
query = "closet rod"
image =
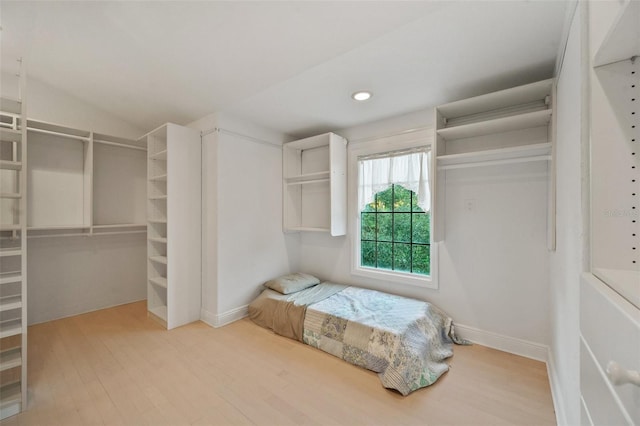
(121, 145)
(304, 182)
(64, 135)
(240, 135)
(86, 234)
(495, 162)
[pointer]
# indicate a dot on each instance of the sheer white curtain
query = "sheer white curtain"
(408, 170)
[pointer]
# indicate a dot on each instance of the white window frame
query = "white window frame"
(406, 140)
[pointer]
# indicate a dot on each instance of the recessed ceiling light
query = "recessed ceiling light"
(361, 96)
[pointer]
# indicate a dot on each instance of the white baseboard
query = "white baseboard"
(503, 343)
(224, 318)
(556, 391)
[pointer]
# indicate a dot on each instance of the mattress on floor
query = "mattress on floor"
(406, 341)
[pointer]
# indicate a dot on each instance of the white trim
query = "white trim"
(224, 318)
(408, 139)
(503, 343)
(428, 129)
(556, 390)
(586, 420)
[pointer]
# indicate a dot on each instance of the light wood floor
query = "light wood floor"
(116, 366)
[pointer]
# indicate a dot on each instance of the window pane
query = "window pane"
(368, 229)
(368, 254)
(421, 260)
(384, 227)
(371, 207)
(384, 255)
(402, 199)
(402, 257)
(385, 199)
(421, 228)
(402, 227)
(414, 204)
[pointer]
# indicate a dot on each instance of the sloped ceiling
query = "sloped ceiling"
(288, 65)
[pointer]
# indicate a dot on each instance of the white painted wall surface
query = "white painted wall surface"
(243, 242)
(47, 103)
(566, 263)
(69, 276)
(494, 264)
(50, 104)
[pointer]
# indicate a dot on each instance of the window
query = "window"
(394, 233)
(391, 222)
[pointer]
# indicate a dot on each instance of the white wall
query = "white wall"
(68, 276)
(494, 263)
(566, 262)
(243, 242)
(47, 103)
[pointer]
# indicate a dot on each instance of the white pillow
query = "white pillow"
(292, 283)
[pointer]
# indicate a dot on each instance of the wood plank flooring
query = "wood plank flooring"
(118, 367)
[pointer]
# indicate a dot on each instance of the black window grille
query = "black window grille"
(395, 233)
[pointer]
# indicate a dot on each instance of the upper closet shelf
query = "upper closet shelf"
(497, 100)
(118, 142)
(540, 151)
(309, 177)
(497, 125)
(623, 39)
(308, 143)
(58, 130)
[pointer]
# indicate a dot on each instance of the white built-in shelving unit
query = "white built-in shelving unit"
(84, 183)
(509, 126)
(119, 184)
(174, 231)
(615, 154)
(315, 184)
(610, 293)
(13, 254)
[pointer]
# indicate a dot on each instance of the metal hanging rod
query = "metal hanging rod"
(495, 162)
(121, 145)
(87, 235)
(64, 135)
(240, 135)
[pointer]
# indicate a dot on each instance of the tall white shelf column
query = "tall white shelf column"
(13, 254)
(174, 231)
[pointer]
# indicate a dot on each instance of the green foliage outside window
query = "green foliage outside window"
(394, 233)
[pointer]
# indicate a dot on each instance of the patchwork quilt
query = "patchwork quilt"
(405, 340)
